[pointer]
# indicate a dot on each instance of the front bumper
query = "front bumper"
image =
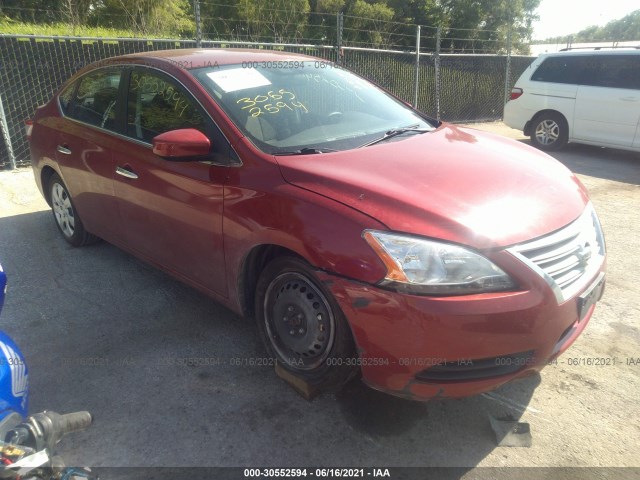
(420, 347)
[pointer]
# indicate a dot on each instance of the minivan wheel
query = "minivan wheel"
(301, 325)
(549, 131)
(65, 214)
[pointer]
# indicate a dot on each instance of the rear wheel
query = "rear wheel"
(65, 214)
(301, 325)
(549, 131)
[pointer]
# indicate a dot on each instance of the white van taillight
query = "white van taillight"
(28, 125)
(515, 93)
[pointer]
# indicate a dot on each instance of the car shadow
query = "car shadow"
(606, 163)
(153, 359)
(443, 433)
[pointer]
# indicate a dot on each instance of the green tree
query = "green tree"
(33, 11)
(478, 25)
(322, 20)
(146, 17)
(466, 25)
(624, 29)
(274, 20)
(368, 24)
(221, 21)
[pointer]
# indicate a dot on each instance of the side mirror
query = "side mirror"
(181, 144)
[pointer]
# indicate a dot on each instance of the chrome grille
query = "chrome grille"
(569, 258)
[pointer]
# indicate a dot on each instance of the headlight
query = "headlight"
(427, 267)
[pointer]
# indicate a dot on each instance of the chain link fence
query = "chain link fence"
(454, 87)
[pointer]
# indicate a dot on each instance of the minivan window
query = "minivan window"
(563, 69)
(613, 71)
(95, 99)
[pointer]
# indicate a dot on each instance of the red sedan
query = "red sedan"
(363, 236)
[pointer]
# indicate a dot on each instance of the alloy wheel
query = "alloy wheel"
(547, 132)
(62, 209)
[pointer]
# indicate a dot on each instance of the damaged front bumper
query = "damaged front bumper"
(420, 347)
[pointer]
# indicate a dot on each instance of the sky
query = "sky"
(562, 17)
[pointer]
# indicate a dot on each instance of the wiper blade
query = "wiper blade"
(394, 132)
(307, 151)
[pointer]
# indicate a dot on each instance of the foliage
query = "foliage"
(149, 17)
(370, 22)
(64, 29)
(143, 18)
(471, 26)
(626, 28)
(466, 25)
(273, 20)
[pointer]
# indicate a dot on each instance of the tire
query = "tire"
(549, 131)
(66, 216)
(301, 325)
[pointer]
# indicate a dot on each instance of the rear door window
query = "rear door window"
(66, 98)
(95, 99)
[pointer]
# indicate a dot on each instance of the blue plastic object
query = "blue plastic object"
(3, 286)
(14, 375)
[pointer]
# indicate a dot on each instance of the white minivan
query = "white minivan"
(588, 96)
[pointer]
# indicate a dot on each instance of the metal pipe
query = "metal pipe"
(4, 126)
(196, 11)
(507, 73)
(415, 93)
(437, 71)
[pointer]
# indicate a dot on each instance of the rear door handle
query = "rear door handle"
(629, 99)
(126, 173)
(63, 149)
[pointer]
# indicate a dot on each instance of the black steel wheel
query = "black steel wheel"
(301, 325)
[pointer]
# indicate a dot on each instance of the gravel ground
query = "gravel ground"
(101, 331)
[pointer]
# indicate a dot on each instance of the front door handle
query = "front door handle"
(126, 173)
(63, 149)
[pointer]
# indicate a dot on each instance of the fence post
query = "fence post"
(415, 93)
(339, 28)
(4, 126)
(507, 73)
(437, 71)
(196, 11)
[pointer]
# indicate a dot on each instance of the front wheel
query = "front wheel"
(549, 131)
(301, 325)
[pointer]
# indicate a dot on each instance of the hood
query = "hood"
(455, 184)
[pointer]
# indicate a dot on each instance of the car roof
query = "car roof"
(607, 52)
(202, 57)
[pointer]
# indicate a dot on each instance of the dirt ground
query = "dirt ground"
(98, 302)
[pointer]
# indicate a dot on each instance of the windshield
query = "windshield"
(309, 105)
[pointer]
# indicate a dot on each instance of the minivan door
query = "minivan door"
(608, 101)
